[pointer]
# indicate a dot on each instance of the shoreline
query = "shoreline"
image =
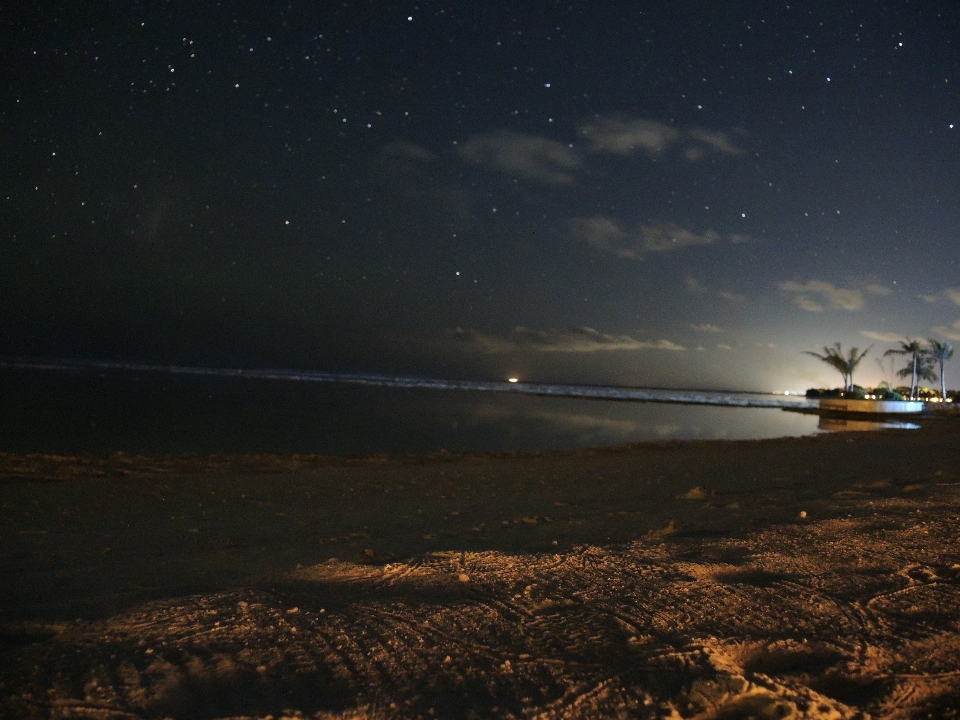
(678, 396)
(932, 420)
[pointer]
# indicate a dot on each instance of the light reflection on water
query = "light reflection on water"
(101, 412)
(835, 424)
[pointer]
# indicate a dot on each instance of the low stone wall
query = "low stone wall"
(871, 406)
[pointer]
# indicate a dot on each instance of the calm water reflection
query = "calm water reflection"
(103, 412)
(833, 424)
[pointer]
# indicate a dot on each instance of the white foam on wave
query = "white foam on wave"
(686, 397)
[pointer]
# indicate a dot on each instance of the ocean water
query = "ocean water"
(102, 408)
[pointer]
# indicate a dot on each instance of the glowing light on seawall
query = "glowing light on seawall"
(513, 385)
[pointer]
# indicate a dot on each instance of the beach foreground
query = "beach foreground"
(802, 577)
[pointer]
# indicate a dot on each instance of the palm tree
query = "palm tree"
(853, 359)
(887, 371)
(940, 352)
(923, 369)
(834, 357)
(915, 350)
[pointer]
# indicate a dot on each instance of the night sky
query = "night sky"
(681, 194)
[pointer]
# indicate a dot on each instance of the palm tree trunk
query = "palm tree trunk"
(913, 379)
(943, 384)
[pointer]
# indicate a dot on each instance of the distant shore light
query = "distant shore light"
(513, 380)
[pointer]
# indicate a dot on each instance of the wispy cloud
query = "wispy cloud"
(816, 295)
(544, 160)
(528, 156)
(808, 304)
(716, 141)
(724, 346)
(633, 243)
(698, 288)
(878, 289)
(623, 137)
(882, 336)
(706, 327)
(408, 150)
(477, 342)
(626, 136)
(950, 333)
(951, 294)
(587, 339)
(695, 286)
(582, 340)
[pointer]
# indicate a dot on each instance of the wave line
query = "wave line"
(686, 397)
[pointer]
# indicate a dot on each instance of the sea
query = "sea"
(71, 407)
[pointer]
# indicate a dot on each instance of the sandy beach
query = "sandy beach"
(801, 577)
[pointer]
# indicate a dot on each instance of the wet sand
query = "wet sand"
(801, 577)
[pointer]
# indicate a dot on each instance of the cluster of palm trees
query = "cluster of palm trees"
(924, 359)
(844, 364)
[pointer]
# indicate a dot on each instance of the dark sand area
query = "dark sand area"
(800, 577)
